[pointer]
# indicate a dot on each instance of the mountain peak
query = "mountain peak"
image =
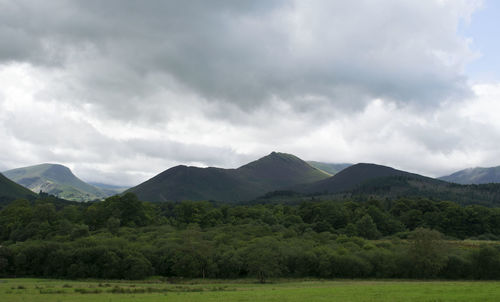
(57, 171)
(281, 169)
(55, 179)
(284, 156)
(274, 158)
(269, 173)
(280, 154)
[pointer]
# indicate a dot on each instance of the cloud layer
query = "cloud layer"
(120, 90)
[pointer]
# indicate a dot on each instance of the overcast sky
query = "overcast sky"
(122, 90)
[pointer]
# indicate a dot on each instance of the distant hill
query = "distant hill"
(354, 176)
(329, 168)
(272, 172)
(405, 186)
(10, 190)
(57, 180)
(474, 176)
(108, 189)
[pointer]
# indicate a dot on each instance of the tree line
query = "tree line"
(125, 238)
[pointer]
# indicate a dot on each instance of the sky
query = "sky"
(121, 90)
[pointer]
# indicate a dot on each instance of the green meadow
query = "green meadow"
(14, 290)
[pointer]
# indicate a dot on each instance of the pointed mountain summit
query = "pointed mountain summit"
(55, 179)
(354, 176)
(272, 172)
(10, 190)
(474, 176)
(281, 169)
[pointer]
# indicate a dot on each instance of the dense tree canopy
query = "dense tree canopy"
(123, 237)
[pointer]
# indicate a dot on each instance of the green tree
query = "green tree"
(486, 263)
(263, 258)
(136, 267)
(113, 224)
(427, 253)
(366, 228)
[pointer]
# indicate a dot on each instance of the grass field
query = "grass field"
(13, 290)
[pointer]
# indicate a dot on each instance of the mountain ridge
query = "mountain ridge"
(362, 181)
(271, 172)
(354, 176)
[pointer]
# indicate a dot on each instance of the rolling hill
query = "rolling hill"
(329, 168)
(272, 172)
(57, 180)
(354, 176)
(474, 176)
(10, 190)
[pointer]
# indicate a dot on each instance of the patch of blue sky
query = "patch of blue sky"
(484, 30)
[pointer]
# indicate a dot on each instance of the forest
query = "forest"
(125, 238)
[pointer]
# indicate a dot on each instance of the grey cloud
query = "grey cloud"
(265, 75)
(120, 53)
(186, 153)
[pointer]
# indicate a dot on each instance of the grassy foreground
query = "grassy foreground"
(13, 290)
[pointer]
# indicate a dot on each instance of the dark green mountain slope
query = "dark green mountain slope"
(272, 172)
(410, 187)
(192, 183)
(280, 170)
(10, 190)
(475, 176)
(364, 181)
(329, 168)
(57, 180)
(352, 177)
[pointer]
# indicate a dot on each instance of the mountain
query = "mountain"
(57, 180)
(280, 170)
(364, 181)
(272, 172)
(10, 190)
(354, 176)
(474, 176)
(329, 168)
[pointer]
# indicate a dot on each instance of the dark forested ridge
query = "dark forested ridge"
(354, 176)
(393, 187)
(123, 237)
(362, 180)
(10, 191)
(272, 172)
